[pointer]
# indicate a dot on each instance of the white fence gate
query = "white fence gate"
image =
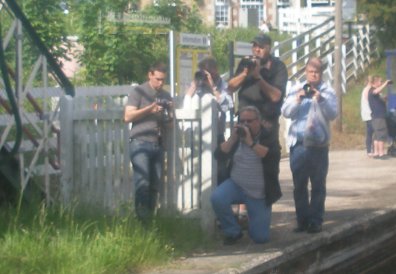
(96, 170)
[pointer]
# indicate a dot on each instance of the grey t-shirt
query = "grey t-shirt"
(148, 127)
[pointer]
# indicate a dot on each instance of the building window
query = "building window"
(221, 13)
(283, 3)
(254, 5)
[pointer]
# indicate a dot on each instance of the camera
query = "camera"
(249, 62)
(308, 91)
(241, 132)
(200, 78)
(165, 103)
(390, 82)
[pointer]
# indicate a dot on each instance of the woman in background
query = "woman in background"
(378, 108)
(365, 113)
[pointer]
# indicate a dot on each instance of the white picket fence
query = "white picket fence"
(96, 169)
(358, 51)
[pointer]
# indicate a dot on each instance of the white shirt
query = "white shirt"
(365, 111)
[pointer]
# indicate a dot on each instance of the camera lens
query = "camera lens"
(241, 132)
(162, 102)
(308, 90)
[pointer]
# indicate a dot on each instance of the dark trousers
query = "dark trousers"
(369, 136)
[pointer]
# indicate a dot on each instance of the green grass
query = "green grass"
(47, 240)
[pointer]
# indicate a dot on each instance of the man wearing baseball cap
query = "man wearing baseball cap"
(260, 80)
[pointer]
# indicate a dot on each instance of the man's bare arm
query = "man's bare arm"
(132, 113)
(235, 82)
(270, 91)
(273, 93)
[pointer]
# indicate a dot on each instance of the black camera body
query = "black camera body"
(249, 62)
(200, 78)
(165, 103)
(241, 132)
(308, 91)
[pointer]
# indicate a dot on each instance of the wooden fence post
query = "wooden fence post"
(277, 51)
(209, 165)
(343, 68)
(355, 56)
(66, 141)
(307, 47)
(317, 45)
(294, 56)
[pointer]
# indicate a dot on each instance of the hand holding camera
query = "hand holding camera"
(164, 103)
(163, 106)
(240, 130)
(250, 66)
(249, 62)
(243, 133)
(203, 82)
(308, 91)
(200, 78)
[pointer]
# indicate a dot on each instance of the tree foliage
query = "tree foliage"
(48, 20)
(182, 17)
(120, 53)
(381, 13)
(109, 55)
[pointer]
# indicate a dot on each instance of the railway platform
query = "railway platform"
(360, 218)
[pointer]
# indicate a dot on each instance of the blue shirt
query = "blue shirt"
(298, 111)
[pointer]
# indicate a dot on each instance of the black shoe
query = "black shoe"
(299, 229)
(229, 240)
(314, 228)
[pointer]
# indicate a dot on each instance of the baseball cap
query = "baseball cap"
(262, 39)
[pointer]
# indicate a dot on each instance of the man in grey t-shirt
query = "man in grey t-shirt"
(148, 109)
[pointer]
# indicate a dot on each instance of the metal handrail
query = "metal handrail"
(11, 98)
(58, 73)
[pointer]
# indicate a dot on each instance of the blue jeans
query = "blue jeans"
(309, 163)
(229, 193)
(146, 158)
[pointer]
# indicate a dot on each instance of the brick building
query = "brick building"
(234, 13)
(243, 13)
